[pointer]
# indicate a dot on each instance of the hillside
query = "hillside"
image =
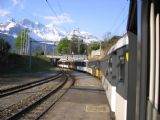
(14, 63)
(106, 45)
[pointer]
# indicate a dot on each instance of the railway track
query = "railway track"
(35, 109)
(9, 91)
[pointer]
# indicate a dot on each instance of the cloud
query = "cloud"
(60, 19)
(15, 2)
(4, 12)
(18, 2)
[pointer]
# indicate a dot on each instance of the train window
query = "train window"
(122, 59)
(106, 72)
(110, 65)
(121, 69)
(114, 53)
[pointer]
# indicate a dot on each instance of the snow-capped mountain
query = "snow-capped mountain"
(37, 32)
(85, 36)
(40, 32)
(31, 25)
(10, 28)
(49, 32)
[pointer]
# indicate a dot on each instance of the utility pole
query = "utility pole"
(24, 39)
(45, 48)
(30, 55)
(27, 48)
(100, 47)
(78, 46)
(71, 47)
(78, 41)
(21, 44)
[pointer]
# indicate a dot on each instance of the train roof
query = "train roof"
(120, 43)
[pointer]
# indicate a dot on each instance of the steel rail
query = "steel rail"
(19, 88)
(50, 106)
(16, 115)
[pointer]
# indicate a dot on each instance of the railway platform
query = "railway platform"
(85, 100)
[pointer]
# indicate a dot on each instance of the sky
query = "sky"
(98, 17)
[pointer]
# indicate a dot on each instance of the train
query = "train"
(143, 97)
(111, 71)
(130, 71)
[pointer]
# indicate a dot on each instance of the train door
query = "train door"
(121, 85)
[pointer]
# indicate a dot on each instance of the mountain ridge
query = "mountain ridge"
(41, 32)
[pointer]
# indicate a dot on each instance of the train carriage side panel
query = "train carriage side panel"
(122, 79)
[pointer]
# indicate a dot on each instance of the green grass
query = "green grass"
(41, 63)
(20, 64)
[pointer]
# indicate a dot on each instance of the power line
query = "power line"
(54, 12)
(120, 14)
(62, 11)
(118, 27)
(59, 5)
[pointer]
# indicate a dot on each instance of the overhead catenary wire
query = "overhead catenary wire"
(122, 22)
(62, 11)
(54, 12)
(52, 9)
(118, 16)
(59, 5)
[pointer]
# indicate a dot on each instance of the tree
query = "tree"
(106, 44)
(4, 48)
(77, 45)
(107, 36)
(83, 48)
(21, 41)
(38, 52)
(64, 46)
(94, 46)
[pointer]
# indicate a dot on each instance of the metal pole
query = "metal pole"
(78, 46)
(45, 49)
(53, 49)
(30, 55)
(25, 45)
(100, 47)
(24, 36)
(70, 47)
(28, 43)
(21, 44)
